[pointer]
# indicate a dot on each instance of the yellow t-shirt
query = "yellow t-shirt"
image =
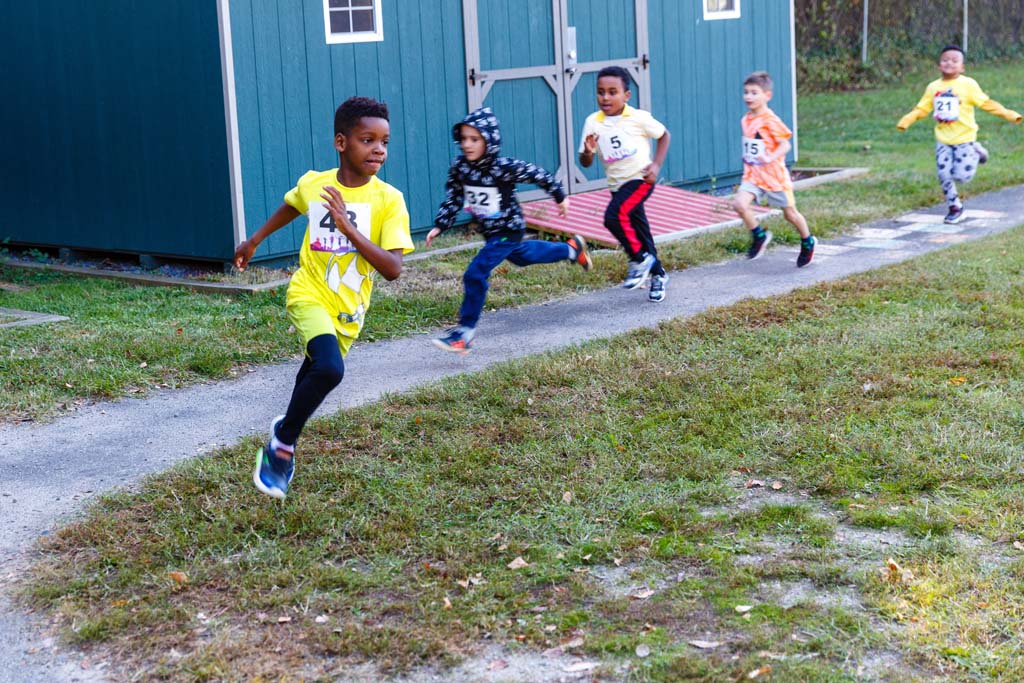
(331, 272)
(952, 104)
(623, 142)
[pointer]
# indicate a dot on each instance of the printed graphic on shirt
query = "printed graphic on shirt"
(752, 149)
(324, 235)
(947, 106)
(482, 202)
(614, 147)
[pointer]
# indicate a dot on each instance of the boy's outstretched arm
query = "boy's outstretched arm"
(660, 152)
(518, 171)
(450, 207)
(386, 262)
(915, 114)
(993, 107)
(284, 215)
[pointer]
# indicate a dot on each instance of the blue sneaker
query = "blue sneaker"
(457, 339)
(273, 474)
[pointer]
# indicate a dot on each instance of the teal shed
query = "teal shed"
(174, 129)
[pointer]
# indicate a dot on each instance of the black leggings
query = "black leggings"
(321, 371)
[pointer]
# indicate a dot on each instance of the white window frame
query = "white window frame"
(354, 36)
(713, 15)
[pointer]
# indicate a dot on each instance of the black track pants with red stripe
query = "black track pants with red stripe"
(626, 219)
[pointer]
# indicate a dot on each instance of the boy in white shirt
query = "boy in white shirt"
(623, 134)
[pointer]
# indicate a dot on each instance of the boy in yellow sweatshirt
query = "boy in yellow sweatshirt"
(953, 98)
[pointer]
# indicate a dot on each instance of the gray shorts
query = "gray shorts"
(781, 199)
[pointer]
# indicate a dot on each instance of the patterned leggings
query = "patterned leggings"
(955, 164)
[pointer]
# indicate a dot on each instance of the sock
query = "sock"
(758, 233)
(276, 445)
(573, 253)
(807, 242)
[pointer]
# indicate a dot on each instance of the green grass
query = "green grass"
(184, 337)
(887, 406)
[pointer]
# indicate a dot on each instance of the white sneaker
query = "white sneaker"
(657, 292)
(638, 272)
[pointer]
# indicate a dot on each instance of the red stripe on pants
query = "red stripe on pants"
(627, 225)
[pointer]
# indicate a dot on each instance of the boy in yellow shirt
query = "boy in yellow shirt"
(953, 98)
(357, 226)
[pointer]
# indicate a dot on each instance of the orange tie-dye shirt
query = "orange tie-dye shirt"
(765, 130)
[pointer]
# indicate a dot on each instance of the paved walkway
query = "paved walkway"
(48, 471)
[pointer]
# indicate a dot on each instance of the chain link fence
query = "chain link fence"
(900, 34)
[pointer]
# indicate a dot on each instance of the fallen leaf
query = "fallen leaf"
(617, 561)
(704, 644)
(180, 578)
(497, 665)
(143, 364)
(463, 582)
(284, 620)
(550, 628)
(1018, 545)
(582, 570)
(580, 666)
(553, 652)
(898, 574)
(586, 558)
(754, 483)
(776, 485)
(322, 619)
(642, 650)
(567, 497)
(641, 594)
(757, 672)
(957, 381)
(447, 603)
(518, 563)
(743, 609)
(743, 469)
(575, 642)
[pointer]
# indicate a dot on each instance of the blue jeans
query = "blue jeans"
(494, 251)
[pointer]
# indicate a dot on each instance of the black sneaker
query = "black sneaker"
(806, 253)
(955, 215)
(982, 152)
(757, 246)
(657, 291)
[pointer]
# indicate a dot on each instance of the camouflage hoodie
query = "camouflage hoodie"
(486, 188)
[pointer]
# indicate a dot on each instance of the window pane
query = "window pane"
(362, 3)
(337, 3)
(720, 5)
(340, 22)
(362, 20)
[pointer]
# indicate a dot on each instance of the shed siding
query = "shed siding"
(697, 63)
(289, 81)
(114, 128)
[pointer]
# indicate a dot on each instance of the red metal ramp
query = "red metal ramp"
(673, 214)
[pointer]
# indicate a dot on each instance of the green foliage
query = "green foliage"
(901, 36)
